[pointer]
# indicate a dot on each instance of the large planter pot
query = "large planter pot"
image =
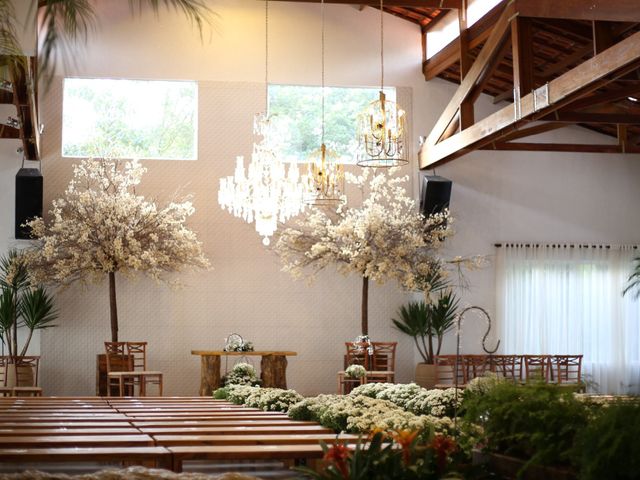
(426, 375)
(25, 375)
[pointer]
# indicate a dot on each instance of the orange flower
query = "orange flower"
(339, 454)
(405, 439)
(443, 447)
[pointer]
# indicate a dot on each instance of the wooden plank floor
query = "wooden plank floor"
(166, 431)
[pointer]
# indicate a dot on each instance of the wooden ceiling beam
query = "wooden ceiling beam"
(440, 4)
(607, 97)
(558, 147)
(450, 54)
(7, 131)
(534, 130)
(469, 82)
(623, 138)
(581, 117)
(587, 77)
(605, 10)
(522, 54)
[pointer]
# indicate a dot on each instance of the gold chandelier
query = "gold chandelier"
(266, 192)
(324, 181)
(382, 129)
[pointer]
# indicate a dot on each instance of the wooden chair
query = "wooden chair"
(358, 354)
(346, 384)
(473, 366)
(567, 370)
(4, 365)
(507, 366)
(27, 374)
(383, 362)
(446, 371)
(537, 367)
(119, 369)
(137, 351)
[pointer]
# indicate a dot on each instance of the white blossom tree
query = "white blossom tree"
(384, 238)
(101, 226)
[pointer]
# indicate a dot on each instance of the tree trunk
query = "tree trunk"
(113, 306)
(365, 305)
(14, 332)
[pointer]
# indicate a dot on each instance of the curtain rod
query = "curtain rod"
(561, 245)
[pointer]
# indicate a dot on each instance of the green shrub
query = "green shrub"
(608, 446)
(537, 423)
(221, 393)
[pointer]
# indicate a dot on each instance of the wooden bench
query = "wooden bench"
(252, 430)
(29, 432)
(56, 441)
(63, 424)
(244, 452)
(221, 424)
(157, 456)
(273, 439)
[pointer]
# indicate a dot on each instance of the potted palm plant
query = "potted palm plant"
(22, 305)
(428, 322)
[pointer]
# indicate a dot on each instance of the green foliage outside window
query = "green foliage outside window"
(299, 114)
(129, 119)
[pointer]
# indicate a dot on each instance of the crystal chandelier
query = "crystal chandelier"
(382, 126)
(267, 192)
(324, 181)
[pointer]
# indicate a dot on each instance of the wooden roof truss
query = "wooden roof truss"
(558, 63)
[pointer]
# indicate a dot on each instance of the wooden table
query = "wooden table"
(273, 368)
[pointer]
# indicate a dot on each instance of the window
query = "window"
(447, 29)
(298, 111)
(568, 301)
(129, 119)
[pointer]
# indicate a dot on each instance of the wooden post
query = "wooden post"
(274, 371)
(209, 374)
(113, 307)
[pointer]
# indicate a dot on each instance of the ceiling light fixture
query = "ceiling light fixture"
(267, 192)
(381, 127)
(324, 181)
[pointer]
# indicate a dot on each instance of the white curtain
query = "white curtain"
(564, 300)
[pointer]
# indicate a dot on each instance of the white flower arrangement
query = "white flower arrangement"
(349, 413)
(241, 374)
(273, 399)
(413, 398)
(239, 393)
(483, 384)
(384, 238)
(355, 371)
(102, 226)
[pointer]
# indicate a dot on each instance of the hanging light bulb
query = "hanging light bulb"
(324, 181)
(266, 192)
(382, 125)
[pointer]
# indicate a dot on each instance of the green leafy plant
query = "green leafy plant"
(633, 282)
(426, 322)
(21, 303)
(608, 446)
(537, 422)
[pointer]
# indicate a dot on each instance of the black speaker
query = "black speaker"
(28, 199)
(435, 194)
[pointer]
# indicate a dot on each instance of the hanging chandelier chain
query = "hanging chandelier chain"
(381, 44)
(266, 56)
(322, 56)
